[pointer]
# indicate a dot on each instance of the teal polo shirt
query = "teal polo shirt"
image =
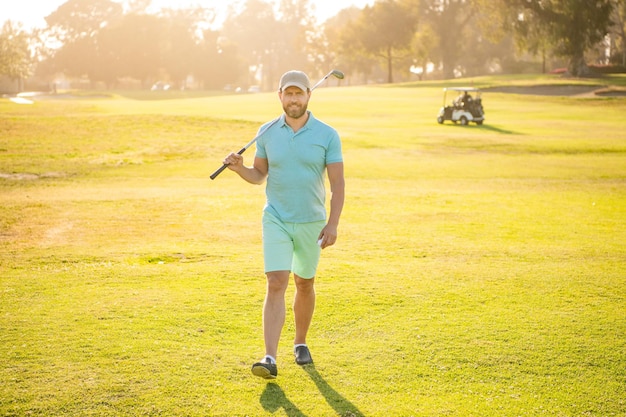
(295, 189)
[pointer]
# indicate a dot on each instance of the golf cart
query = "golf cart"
(464, 107)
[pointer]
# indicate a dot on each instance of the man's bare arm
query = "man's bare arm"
(337, 190)
(256, 174)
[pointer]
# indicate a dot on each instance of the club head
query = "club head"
(337, 74)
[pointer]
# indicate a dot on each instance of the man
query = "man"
(294, 156)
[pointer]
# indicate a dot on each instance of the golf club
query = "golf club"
(335, 73)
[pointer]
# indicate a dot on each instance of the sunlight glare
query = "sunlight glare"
(31, 13)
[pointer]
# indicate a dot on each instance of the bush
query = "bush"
(608, 69)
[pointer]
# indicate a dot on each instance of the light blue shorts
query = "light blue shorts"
(291, 246)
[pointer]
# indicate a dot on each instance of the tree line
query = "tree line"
(389, 41)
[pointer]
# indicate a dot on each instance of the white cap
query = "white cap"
(294, 79)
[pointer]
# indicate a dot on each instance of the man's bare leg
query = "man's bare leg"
(303, 307)
(274, 310)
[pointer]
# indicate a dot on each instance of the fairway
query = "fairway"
(479, 270)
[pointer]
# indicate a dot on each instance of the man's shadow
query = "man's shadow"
(274, 398)
(340, 404)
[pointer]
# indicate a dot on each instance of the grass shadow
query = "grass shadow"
(498, 130)
(483, 127)
(340, 404)
(274, 398)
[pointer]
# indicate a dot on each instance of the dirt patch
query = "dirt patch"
(25, 176)
(58, 234)
(611, 92)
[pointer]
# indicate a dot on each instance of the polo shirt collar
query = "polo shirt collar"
(283, 122)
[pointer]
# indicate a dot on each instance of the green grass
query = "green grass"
(480, 271)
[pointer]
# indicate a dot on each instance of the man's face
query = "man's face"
(295, 101)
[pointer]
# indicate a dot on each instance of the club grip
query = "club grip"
(223, 167)
(218, 172)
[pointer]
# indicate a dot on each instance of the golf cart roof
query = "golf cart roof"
(468, 89)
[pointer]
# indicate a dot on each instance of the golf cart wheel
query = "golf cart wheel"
(479, 122)
(463, 121)
(440, 120)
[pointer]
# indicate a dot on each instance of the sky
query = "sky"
(31, 13)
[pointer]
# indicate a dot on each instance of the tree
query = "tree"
(326, 46)
(78, 25)
(449, 20)
(296, 23)
(423, 45)
(218, 63)
(567, 27)
(15, 58)
(384, 31)
(140, 40)
(256, 33)
(271, 41)
(76, 19)
(100, 42)
(618, 33)
(181, 41)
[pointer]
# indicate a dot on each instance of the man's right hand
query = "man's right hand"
(234, 162)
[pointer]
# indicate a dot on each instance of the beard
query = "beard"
(295, 110)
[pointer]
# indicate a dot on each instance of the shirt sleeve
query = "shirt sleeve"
(260, 143)
(333, 153)
(260, 150)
